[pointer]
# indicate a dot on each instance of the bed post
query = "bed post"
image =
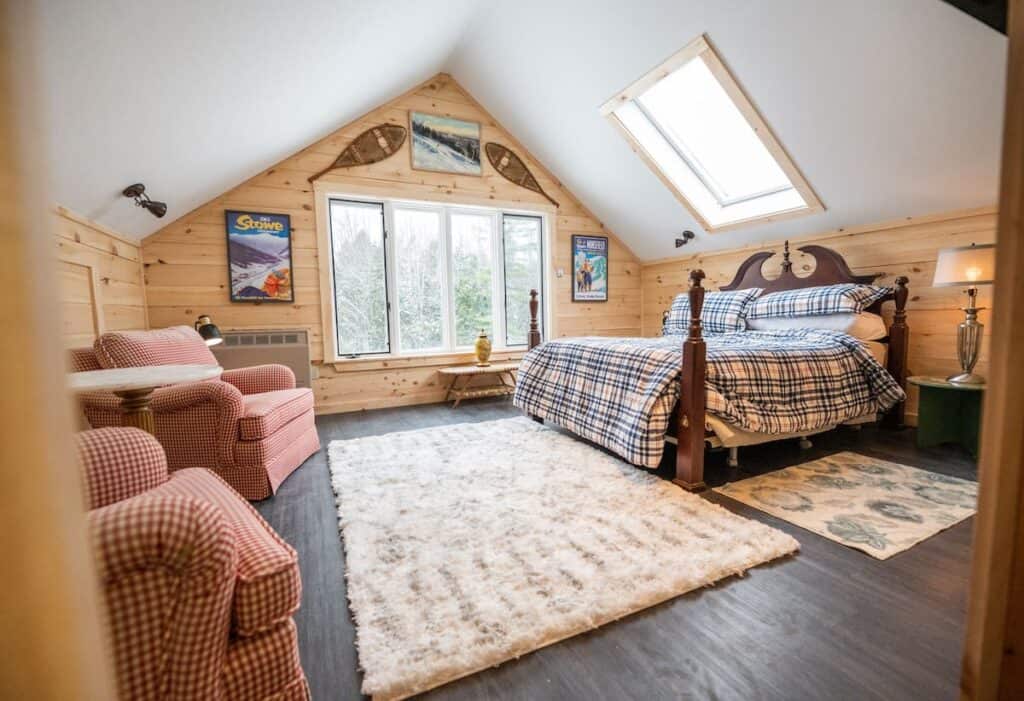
(690, 437)
(896, 362)
(533, 337)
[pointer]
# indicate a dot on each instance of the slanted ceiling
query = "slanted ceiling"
(890, 109)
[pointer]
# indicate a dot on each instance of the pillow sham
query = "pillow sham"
(864, 326)
(723, 312)
(849, 298)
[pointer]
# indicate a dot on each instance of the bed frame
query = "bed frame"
(689, 422)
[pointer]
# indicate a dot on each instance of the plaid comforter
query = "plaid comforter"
(620, 392)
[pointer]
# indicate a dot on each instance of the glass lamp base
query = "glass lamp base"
(966, 378)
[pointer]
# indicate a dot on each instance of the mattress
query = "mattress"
(879, 350)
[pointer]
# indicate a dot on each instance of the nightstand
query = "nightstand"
(948, 412)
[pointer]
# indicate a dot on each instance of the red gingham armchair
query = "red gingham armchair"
(199, 590)
(253, 427)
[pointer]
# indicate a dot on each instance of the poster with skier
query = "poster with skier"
(589, 268)
(260, 257)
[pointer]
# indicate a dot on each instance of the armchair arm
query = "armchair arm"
(118, 463)
(198, 423)
(178, 397)
(260, 378)
(101, 409)
(167, 565)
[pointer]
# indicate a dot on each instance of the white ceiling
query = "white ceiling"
(192, 97)
(889, 108)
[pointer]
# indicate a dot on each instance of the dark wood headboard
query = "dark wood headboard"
(830, 269)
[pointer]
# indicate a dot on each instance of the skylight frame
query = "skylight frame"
(701, 48)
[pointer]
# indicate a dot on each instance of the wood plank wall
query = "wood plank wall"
(186, 262)
(905, 247)
(101, 284)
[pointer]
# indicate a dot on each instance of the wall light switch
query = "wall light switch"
(559, 272)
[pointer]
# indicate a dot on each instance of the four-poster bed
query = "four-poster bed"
(689, 419)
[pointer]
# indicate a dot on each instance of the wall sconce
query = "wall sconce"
(683, 238)
(208, 330)
(138, 192)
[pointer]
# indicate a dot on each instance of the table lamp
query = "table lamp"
(971, 266)
(206, 328)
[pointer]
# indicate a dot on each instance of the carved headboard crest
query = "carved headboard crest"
(830, 269)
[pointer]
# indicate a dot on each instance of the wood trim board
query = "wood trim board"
(992, 664)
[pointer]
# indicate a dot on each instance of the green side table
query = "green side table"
(948, 412)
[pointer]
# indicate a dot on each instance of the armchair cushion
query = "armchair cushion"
(267, 587)
(176, 345)
(260, 378)
(119, 463)
(266, 412)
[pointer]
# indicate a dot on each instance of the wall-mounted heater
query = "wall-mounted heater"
(242, 349)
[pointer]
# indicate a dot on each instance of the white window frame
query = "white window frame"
(445, 209)
(701, 48)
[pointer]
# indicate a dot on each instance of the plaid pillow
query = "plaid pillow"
(723, 312)
(847, 297)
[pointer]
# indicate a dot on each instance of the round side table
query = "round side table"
(948, 412)
(135, 386)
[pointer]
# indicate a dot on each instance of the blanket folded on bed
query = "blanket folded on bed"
(620, 392)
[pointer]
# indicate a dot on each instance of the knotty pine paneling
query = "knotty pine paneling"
(906, 247)
(186, 261)
(100, 282)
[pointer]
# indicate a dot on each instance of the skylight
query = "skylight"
(691, 123)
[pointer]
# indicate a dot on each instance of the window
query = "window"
(419, 279)
(360, 278)
(523, 265)
(472, 275)
(696, 129)
(414, 278)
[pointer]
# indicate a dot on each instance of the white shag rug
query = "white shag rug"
(472, 544)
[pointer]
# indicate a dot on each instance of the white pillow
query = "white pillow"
(864, 326)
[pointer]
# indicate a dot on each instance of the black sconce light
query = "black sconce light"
(682, 239)
(206, 328)
(138, 192)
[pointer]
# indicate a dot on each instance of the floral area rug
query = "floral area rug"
(880, 507)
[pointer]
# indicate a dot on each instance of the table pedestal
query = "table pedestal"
(135, 409)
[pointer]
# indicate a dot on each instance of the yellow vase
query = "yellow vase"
(482, 347)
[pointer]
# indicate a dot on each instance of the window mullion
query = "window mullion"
(448, 273)
(391, 263)
(498, 280)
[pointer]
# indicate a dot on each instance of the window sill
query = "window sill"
(398, 362)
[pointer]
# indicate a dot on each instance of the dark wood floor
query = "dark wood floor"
(830, 623)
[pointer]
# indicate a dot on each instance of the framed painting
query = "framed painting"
(589, 268)
(444, 144)
(259, 256)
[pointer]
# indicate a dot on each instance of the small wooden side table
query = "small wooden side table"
(135, 386)
(948, 412)
(503, 372)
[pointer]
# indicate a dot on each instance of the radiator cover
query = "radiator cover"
(290, 347)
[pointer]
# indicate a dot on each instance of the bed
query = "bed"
(634, 395)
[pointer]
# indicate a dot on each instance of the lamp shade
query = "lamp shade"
(966, 265)
(209, 332)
